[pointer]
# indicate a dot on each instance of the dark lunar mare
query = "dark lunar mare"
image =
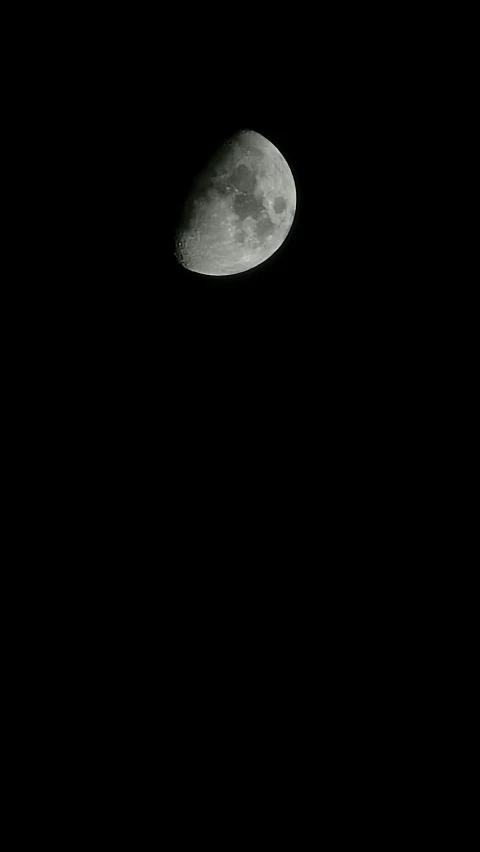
(243, 179)
(264, 227)
(247, 205)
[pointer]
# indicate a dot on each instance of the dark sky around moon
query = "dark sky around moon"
(334, 108)
(298, 363)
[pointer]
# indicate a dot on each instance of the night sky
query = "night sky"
(306, 359)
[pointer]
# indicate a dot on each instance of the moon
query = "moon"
(239, 210)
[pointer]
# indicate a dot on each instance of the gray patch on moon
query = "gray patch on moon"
(279, 205)
(243, 179)
(247, 205)
(264, 227)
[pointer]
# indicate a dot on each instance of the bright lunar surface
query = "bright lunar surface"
(240, 208)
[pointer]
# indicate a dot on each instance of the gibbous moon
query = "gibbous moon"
(239, 210)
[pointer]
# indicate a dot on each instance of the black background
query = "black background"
(284, 392)
(236, 464)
